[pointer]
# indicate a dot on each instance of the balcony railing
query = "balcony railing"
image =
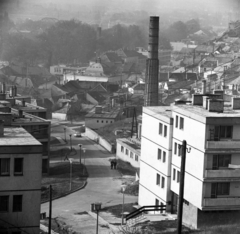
(222, 173)
(223, 144)
(221, 201)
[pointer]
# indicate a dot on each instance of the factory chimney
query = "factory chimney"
(152, 66)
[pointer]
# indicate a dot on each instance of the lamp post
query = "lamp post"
(70, 185)
(80, 145)
(97, 208)
(65, 134)
(123, 190)
(70, 135)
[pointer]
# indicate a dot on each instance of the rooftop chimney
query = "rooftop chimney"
(152, 66)
(215, 105)
(98, 110)
(1, 128)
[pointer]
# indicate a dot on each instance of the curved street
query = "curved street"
(103, 184)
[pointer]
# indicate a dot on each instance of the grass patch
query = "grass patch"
(59, 178)
(126, 168)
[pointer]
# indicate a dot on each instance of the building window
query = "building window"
(18, 166)
(102, 121)
(178, 176)
(17, 203)
(165, 131)
(126, 151)
(156, 202)
(4, 203)
(160, 129)
(158, 180)
(179, 150)
(136, 157)
(131, 154)
(220, 189)
(174, 173)
(163, 182)
(97, 121)
(181, 123)
(224, 132)
(221, 160)
(176, 124)
(164, 156)
(159, 154)
(122, 149)
(5, 166)
(175, 148)
(106, 121)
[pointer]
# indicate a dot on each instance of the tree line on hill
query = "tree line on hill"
(70, 41)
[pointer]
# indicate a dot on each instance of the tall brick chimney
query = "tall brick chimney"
(152, 66)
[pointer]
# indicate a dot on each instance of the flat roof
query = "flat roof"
(16, 136)
(27, 107)
(160, 112)
(105, 115)
(130, 143)
(28, 118)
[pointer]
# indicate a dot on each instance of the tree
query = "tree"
(177, 31)
(192, 26)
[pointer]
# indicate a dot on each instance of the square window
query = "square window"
(5, 166)
(174, 173)
(181, 123)
(164, 156)
(17, 203)
(176, 123)
(159, 154)
(106, 121)
(160, 129)
(18, 166)
(158, 180)
(178, 176)
(122, 149)
(179, 150)
(136, 157)
(165, 131)
(4, 203)
(163, 182)
(175, 148)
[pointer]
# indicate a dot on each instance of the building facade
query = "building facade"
(211, 175)
(20, 181)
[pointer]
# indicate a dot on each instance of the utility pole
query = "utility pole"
(181, 188)
(50, 210)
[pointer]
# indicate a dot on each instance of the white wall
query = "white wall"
(150, 165)
(96, 123)
(127, 158)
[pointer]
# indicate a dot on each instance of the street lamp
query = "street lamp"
(80, 145)
(97, 208)
(65, 134)
(70, 135)
(70, 161)
(123, 190)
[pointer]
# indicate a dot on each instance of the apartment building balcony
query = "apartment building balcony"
(223, 144)
(222, 173)
(220, 202)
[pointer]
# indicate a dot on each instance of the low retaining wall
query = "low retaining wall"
(98, 139)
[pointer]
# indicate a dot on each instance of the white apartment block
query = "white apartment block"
(212, 177)
(20, 181)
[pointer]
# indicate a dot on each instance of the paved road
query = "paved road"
(103, 183)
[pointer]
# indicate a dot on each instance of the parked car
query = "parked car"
(78, 134)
